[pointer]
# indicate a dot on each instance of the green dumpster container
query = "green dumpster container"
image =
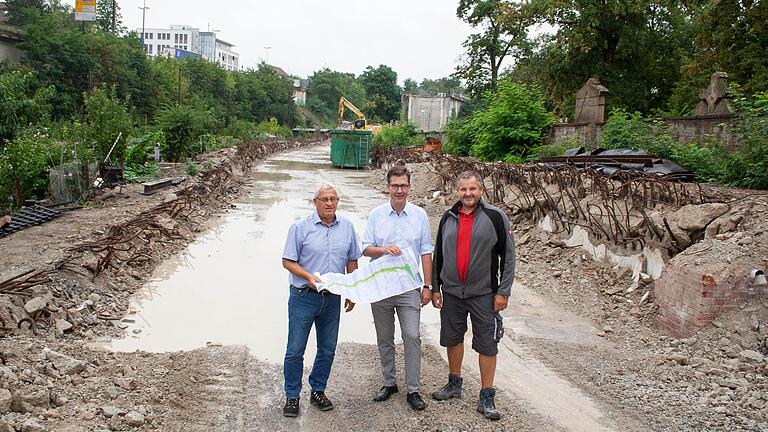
(350, 148)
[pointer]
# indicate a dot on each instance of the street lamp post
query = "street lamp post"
(143, 21)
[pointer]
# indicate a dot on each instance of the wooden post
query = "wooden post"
(17, 191)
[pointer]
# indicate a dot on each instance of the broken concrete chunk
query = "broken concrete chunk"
(30, 399)
(125, 383)
(110, 411)
(750, 356)
(134, 419)
(63, 325)
(6, 427)
(31, 425)
(693, 217)
(6, 399)
(64, 363)
(35, 305)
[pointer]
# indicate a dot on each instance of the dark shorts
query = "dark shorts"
(453, 322)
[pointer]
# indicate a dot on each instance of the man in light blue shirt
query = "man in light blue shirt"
(322, 242)
(392, 227)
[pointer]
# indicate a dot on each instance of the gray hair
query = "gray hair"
(468, 175)
(326, 186)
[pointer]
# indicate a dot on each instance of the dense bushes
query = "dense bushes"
(746, 165)
(404, 134)
(514, 122)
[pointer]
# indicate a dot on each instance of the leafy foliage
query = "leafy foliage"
(743, 166)
(21, 102)
(182, 125)
(404, 135)
(731, 37)
(326, 87)
(107, 117)
(272, 127)
(514, 122)
(140, 149)
(25, 160)
(383, 93)
(636, 48)
(503, 33)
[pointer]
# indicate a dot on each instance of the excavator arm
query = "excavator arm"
(344, 103)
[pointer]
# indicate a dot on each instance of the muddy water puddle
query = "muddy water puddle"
(229, 286)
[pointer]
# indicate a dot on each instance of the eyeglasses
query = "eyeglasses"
(331, 200)
(400, 186)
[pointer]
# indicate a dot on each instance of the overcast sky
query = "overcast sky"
(417, 38)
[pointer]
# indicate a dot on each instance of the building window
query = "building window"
(150, 49)
(175, 38)
(186, 39)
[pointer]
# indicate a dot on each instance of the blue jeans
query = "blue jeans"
(306, 307)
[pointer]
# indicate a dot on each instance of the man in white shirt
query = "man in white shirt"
(391, 228)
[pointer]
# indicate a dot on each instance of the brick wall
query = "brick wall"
(689, 300)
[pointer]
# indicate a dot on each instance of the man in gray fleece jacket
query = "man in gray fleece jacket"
(474, 267)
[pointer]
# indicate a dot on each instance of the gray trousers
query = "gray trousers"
(408, 307)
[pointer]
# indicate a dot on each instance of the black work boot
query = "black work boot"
(291, 408)
(320, 400)
(486, 405)
(450, 390)
(415, 401)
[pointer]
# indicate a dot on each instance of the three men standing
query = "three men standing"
(319, 243)
(393, 227)
(474, 267)
(473, 272)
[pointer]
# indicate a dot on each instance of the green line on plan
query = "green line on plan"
(406, 268)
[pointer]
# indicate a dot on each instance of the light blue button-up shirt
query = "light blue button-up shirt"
(319, 248)
(408, 229)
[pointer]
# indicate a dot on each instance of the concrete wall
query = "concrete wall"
(430, 113)
(587, 133)
(698, 128)
(9, 37)
(694, 128)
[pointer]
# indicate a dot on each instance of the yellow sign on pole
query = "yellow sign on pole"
(85, 10)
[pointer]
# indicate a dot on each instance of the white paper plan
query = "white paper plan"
(381, 278)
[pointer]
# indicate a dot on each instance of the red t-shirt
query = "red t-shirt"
(463, 243)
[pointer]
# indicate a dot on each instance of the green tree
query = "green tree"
(19, 10)
(732, 37)
(107, 117)
(22, 102)
(327, 86)
(383, 93)
(108, 17)
(445, 85)
(503, 32)
(514, 122)
(410, 86)
(635, 47)
(182, 125)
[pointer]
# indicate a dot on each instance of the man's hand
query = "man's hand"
(391, 250)
(437, 300)
(426, 296)
(500, 303)
(313, 280)
(348, 305)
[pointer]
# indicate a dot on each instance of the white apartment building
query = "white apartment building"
(164, 41)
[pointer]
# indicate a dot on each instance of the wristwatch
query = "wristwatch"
(429, 287)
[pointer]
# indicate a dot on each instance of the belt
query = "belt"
(308, 289)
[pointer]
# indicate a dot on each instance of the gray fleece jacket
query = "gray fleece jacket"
(491, 268)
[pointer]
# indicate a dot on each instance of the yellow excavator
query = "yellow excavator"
(361, 123)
